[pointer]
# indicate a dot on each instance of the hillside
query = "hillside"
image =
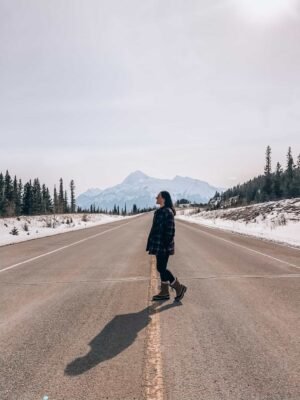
(274, 220)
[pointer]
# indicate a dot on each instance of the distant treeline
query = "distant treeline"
(32, 198)
(272, 185)
(116, 210)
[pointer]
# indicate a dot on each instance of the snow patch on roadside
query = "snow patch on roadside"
(278, 221)
(37, 226)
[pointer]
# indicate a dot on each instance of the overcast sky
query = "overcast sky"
(92, 90)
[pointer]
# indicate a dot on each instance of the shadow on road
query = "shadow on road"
(115, 337)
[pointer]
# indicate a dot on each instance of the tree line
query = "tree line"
(33, 198)
(116, 210)
(282, 183)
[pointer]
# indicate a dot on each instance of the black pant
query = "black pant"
(161, 265)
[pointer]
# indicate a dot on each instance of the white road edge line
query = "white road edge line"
(240, 245)
(62, 248)
(241, 234)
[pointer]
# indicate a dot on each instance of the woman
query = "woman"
(161, 243)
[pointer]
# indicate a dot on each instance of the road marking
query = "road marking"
(240, 245)
(139, 279)
(63, 247)
(242, 276)
(153, 377)
(238, 233)
(116, 280)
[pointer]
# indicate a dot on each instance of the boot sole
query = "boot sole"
(161, 298)
(178, 298)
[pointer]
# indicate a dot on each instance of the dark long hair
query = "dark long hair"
(168, 201)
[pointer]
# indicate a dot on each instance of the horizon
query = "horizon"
(56, 184)
(98, 188)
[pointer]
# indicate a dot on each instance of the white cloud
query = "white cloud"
(267, 10)
(190, 85)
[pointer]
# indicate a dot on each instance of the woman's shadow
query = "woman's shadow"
(115, 337)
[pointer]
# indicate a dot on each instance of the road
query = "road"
(77, 322)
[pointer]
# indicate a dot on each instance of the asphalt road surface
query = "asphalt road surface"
(76, 320)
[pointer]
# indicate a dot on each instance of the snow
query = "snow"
(278, 221)
(48, 225)
(141, 189)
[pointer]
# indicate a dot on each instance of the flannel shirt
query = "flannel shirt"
(161, 236)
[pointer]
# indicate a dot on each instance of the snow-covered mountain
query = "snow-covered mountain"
(85, 198)
(141, 189)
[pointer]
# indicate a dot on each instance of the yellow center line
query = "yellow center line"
(153, 376)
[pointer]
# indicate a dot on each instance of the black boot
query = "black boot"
(180, 289)
(164, 292)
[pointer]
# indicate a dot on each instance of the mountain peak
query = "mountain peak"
(135, 176)
(141, 190)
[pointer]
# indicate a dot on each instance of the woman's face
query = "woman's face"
(160, 200)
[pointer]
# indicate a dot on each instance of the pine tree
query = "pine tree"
(27, 198)
(268, 177)
(36, 197)
(297, 177)
(61, 196)
(290, 163)
(289, 173)
(295, 183)
(49, 204)
(15, 195)
(44, 199)
(2, 198)
(8, 187)
(55, 201)
(73, 203)
(66, 207)
(9, 204)
(19, 198)
(278, 181)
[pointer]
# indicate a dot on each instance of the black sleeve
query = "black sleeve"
(169, 228)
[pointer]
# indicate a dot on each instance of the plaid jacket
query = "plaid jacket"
(161, 236)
